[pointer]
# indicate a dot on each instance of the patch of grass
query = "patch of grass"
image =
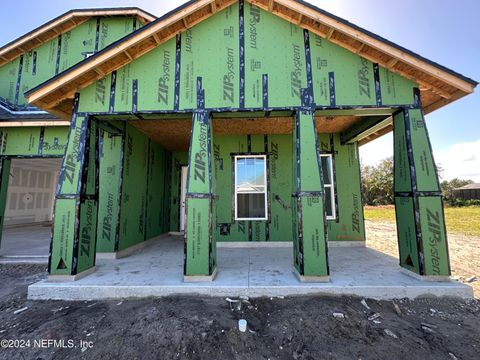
(463, 220)
(380, 213)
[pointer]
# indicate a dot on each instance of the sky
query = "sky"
(443, 31)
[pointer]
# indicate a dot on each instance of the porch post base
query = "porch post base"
(67, 278)
(432, 278)
(311, 278)
(200, 278)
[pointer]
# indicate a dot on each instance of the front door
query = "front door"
(183, 192)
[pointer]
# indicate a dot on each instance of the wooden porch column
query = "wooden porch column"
(422, 237)
(308, 214)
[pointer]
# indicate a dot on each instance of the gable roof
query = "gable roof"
(62, 24)
(438, 84)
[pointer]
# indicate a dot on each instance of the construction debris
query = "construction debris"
(242, 325)
(338, 315)
(364, 303)
(390, 333)
(397, 309)
(20, 310)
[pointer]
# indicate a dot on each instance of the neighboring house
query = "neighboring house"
(468, 192)
(232, 121)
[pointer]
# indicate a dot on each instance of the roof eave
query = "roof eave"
(68, 20)
(458, 85)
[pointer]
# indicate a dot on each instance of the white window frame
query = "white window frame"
(264, 157)
(331, 187)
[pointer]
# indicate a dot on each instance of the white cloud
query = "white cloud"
(376, 150)
(460, 161)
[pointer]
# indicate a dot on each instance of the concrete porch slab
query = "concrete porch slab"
(157, 270)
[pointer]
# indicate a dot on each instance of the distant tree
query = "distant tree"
(449, 186)
(377, 183)
(440, 171)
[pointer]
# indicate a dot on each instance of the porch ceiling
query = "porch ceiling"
(174, 134)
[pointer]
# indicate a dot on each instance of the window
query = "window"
(251, 187)
(327, 168)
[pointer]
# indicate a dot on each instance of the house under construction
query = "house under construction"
(227, 120)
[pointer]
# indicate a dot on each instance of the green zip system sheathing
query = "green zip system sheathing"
(131, 183)
(110, 182)
(158, 191)
(200, 257)
(33, 141)
(349, 223)
(59, 54)
(134, 189)
(248, 59)
(75, 214)
(422, 237)
(308, 214)
(4, 178)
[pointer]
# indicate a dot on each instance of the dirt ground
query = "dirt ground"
(206, 328)
(464, 251)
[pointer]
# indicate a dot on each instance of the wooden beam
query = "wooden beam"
(299, 21)
(271, 4)
(392, 63)
(285, 17)
(442, 102)
(330, 33)
(185, 23)
(33, 123)
(342, 44)
(376, 135)
(213, 7)
(444, 94)
(61, 114)
(99, 72)
(360, 48)
(365, 125)
(128, 54)
(157, 39)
